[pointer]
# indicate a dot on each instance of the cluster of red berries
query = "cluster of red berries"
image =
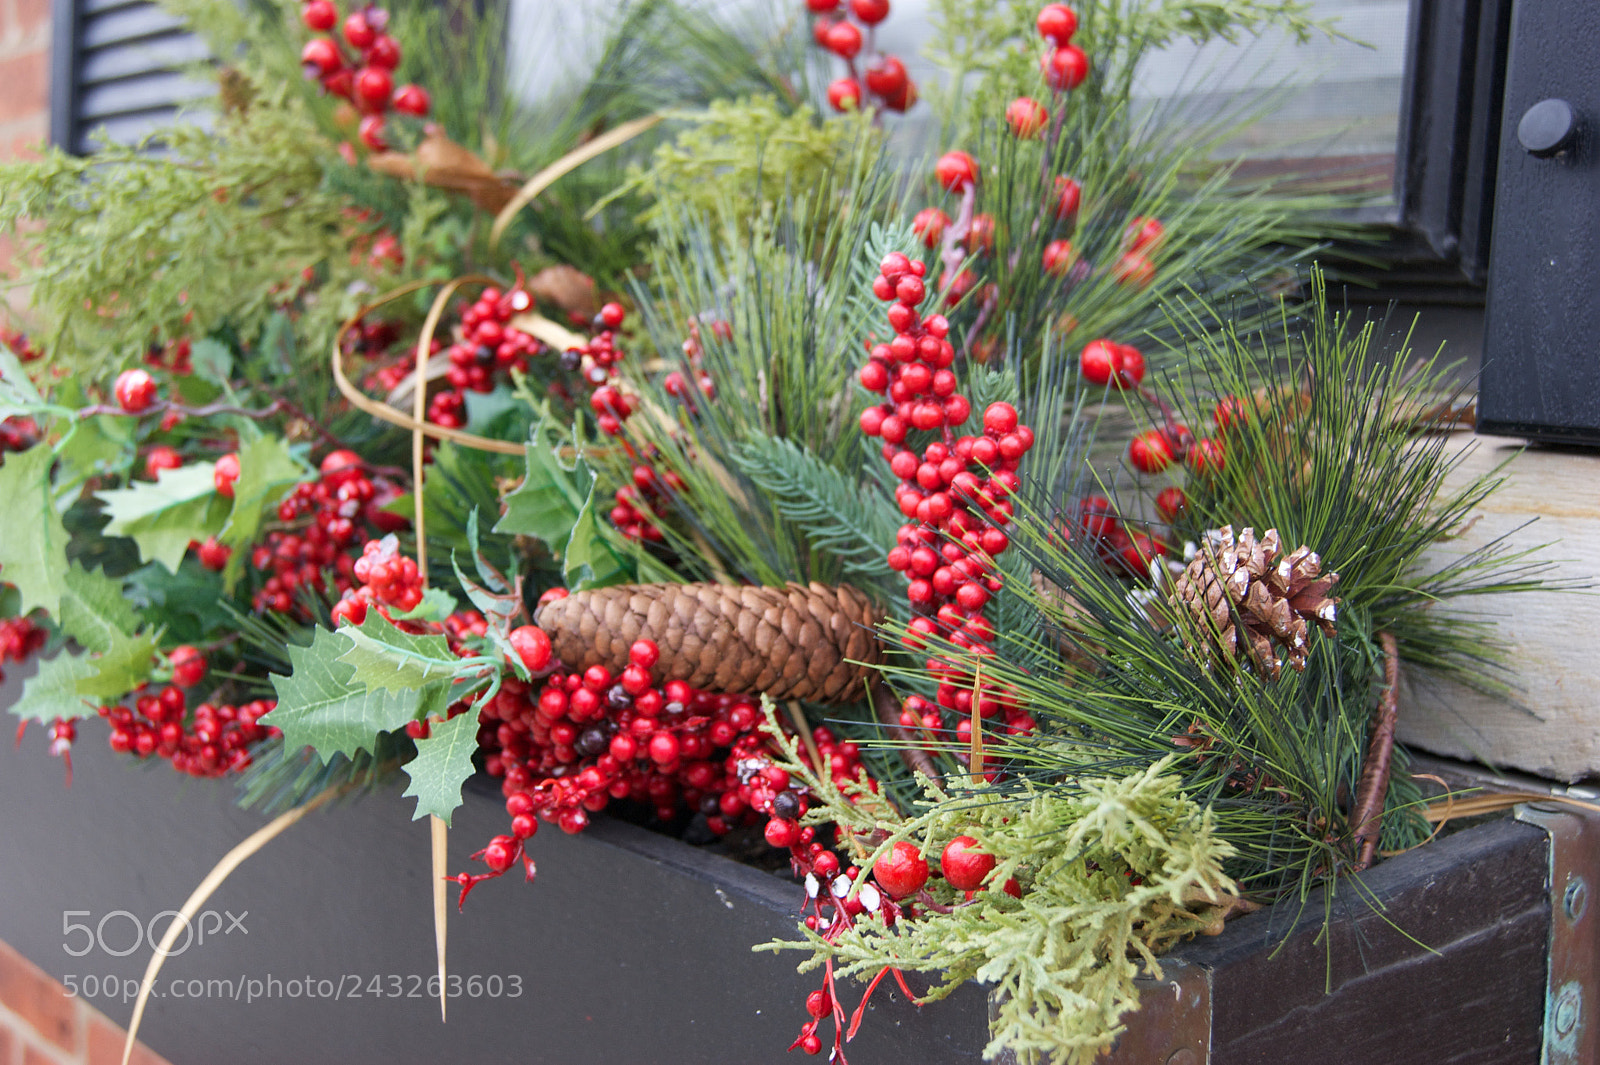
(174, 358)
(19, 639)
(848, 29)
(1154, 450)
(388, 579)
(327, 519)
(1105, 361)
(366, 80)
(1065, 65)
(18, 343)
(595, 362)
(676, 384)
(637, 504)
(212, 741)
(954, 493)
(490, 346)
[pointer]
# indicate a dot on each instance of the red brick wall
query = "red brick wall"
(41, 1025)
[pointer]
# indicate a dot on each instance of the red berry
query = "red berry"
(871, 12)
(1138, 554)
(500, 854)
(1230, 412)
(385, 52)
(1026, 117)
(964, 865)
(1000, 418)
(1098, 361)
(822, 7)
(1057, 22)
(1130, 366)
(1066, 68)
(319, 15)
(340, 466)
(930, 224)
(1150, 452)
(161, 457)
(1170, 502)
(664, 748)
(955, 171)
(887, 77)
(1058, 257)
(374, 85)
(532, 646)
(188, 666)
(844, 94)
(413, 100)
(612, 315)
(135, 391)
(902, 871)
(225, 473)
(214, 556)
(358, 31)
(1133, 269)
(844, 40)
(782, 832)
(1144, 234)
(1205, 456)
(371, 133)
(811, 1044)
(644, 654)
(819, 1003)
(321, 55)
(1069, 194)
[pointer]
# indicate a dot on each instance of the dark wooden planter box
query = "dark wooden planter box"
(632, 947)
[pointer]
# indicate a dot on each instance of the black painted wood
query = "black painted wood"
(1541, 373)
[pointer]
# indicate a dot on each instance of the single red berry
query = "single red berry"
(902, 871)
(1065, 68)
(385, 52)
(1133, 269)
(341, 465)
(1098, 361)
(955, 171)
(1130, 366)
(871, 12)
(1144, 234)
(413, 100)
(782, 832)
(1205, 456)
(844, 94)
(371, 133)
(188, 666)
(321, 56)
(612, 315)
(374, 85)
(500, 854)
(1069, 194)
(532, 646)
(1150, 452)
(161, 457)
(1230, 411)
(644, 654)
(929, 224)
(358, 31)
(822, 7)
(1026, 117)
(887, 77)
(1170, 502)
(225, 473)
(844, 40)
(1057, 22)
(1058, 257)
(819, 1003)
(319, 15)
(1000, 419)
(664, 748)
(135, 391)
(1140, 551)
(214, 556)
(811, 1044)
(964, 865)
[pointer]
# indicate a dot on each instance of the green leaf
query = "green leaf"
(188, 603)
(322, 706)
(17, 394)
(53, 691)
(442, 765)
(265, 468)
(551, 496)
(94, 611)
(500, 414)
(124, 665)
(33, 551)
(589, 561)
(211, 360)
(162, 518)
(96, 446)
(384, 657)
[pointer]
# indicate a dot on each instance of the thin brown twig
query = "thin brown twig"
(916, 757)
(1372, 790)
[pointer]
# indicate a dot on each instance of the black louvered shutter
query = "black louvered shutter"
(118, 67)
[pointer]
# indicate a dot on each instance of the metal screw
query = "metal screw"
(1183, 1056)
(1575, 898)
(1568, 1007)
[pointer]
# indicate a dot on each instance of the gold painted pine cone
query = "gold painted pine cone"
(1248, 599)
(816, 643)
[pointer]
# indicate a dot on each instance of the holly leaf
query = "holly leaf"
(321, 706)
(442, 765)
(387, 658)
(551, 496)
(17, 394)
(187, 603)
(500, 414)
(589, 561)
(211, 360)
(95, 612)
(266, 468)
(33, 551)
(99, 445)
(123, 666)
(52, 692)
(164, 516)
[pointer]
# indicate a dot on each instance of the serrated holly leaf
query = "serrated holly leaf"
(164, 516)
(94, 611)
(321, 706)
(500, 414)
(437, 604)
(98, 445)
(551, 495)
(123, 666)
(17, 394)
(211, 360)
(188, 604)
(442, 765)
(33, 551)
(266, 468)
(384, 657)
(52, 692)
(589, 561)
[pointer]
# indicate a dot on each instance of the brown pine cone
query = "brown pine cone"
(818, 643)
(1246, 597)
